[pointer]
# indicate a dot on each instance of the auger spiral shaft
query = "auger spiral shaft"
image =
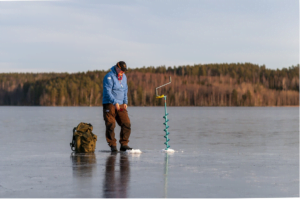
(166, 124)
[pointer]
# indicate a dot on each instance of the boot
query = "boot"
(125, 147)
(113, 149)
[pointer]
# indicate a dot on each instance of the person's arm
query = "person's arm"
(107, 88)
(125, 100)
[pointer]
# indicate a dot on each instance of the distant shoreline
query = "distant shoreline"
(146, 106)
(208, 85)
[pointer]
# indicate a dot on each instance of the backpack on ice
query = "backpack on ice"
(83, 141)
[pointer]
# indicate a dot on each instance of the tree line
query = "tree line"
(234, 84)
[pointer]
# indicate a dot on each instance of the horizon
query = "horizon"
(106, 70)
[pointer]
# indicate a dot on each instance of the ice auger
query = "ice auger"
(166, 115)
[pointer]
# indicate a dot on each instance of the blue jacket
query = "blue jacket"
(114, 91)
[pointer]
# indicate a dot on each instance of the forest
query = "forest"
(225, 84)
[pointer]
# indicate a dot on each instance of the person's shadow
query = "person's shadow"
(115, 186)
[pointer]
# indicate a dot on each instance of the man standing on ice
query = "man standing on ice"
(115, 106)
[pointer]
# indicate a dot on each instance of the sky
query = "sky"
(75, 36)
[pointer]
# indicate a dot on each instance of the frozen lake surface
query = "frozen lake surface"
(220, 152)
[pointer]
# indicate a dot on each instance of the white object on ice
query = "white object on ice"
(134, 151)
(168, 150)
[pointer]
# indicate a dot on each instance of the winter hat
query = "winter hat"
(122, 66)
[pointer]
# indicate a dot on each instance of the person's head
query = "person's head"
(121, 67)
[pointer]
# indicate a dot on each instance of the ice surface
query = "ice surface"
(221, 152)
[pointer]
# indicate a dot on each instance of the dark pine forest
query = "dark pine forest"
(234, 84)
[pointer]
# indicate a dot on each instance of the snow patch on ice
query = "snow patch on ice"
(134, 151)
(168, 150)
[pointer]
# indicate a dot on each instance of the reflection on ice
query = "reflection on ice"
(166, 175)
(83, 164)
(116, 183)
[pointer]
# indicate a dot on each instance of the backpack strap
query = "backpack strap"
(72, 144)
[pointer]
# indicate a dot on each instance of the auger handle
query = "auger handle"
(161, 96)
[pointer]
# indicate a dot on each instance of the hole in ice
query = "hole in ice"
(168, 150)
(134, 151)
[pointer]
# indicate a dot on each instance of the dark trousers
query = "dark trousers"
(111, 115)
